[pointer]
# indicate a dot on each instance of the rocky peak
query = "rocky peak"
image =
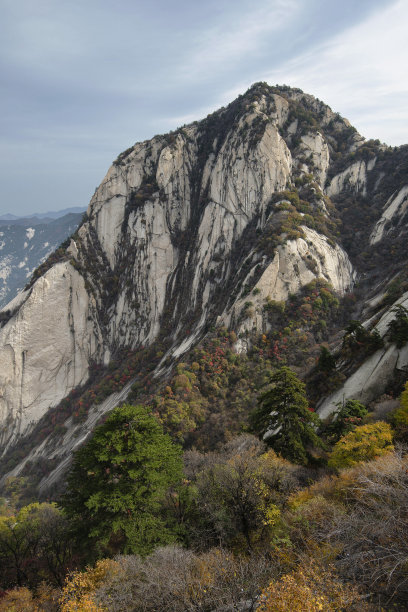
(182, 228)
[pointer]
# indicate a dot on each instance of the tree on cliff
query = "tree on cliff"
(398, 327)
(284, 415)
(118, 480)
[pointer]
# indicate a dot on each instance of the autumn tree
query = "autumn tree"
(373, 534)
(362, 444)
(35, 544)
(310, 588)
(399, 418)
(171, 578)
(119, 478)
(240, 496)
(283, 417)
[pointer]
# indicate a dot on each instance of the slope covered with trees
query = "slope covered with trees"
(239, 430)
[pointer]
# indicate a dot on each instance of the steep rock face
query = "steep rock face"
(317, 151)
(370, 380)
(157, 244)
(167, 216)
(353, 178)
(45, 348)
(395, 209)
(374, 375)
(296, 263)
(181, 227)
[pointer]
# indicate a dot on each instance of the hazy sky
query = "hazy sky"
(82, 80)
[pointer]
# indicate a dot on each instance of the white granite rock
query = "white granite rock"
(373, 376)
(296, 263)
(395, 207)
(45, 348)
(353, 178)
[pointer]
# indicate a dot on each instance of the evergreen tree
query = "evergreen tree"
(118, 480)
(327, 361)
(358, 338)
(348, 415)
(284, 416)
(398, 327)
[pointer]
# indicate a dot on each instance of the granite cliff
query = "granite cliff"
(259, 199)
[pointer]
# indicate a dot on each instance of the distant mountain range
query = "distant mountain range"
(26, 242)
(40, 218)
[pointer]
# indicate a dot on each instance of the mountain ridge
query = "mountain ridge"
(215, 224)
(40, 217)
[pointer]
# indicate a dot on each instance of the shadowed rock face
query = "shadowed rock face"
(172, 234)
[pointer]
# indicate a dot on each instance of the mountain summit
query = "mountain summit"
(215, 225)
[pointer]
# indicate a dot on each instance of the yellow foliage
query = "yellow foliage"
(335, 488)
(400, 415)
(309, 589)
(47, 597)
(18, 600)
(269, 511)
(77, 594)
(298, 498)
(272, 515)
(362, 444)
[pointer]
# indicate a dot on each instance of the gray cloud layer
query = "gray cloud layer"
(83, 80)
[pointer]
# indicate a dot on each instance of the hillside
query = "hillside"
(208, 257)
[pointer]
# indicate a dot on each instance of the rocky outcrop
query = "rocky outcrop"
(354, 179)
(174, 233)
(45, 348)
(395, 208)
(375, 374)
(296, 263)
(315, 149)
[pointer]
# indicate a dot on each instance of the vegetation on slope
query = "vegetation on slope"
(312, 517)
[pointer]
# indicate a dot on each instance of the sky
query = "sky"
(83, 80)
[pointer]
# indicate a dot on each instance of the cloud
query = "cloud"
(360, 73)
(237, 37)
(82, 81)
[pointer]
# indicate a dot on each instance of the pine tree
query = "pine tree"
(398, 327)
(119, 478)
(284, 418)
(348, 415)
(327, 361)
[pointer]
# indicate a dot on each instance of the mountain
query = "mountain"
(236, 243)
(25, 245)
(37, 218)
(8, 217)
(25, 221)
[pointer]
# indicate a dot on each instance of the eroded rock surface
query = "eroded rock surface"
(45, 348)
(173, 234)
